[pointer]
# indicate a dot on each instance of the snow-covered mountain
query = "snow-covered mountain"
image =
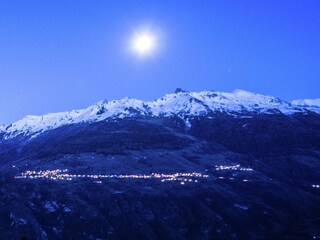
(307, 102)
(184, 104)
(222, 152)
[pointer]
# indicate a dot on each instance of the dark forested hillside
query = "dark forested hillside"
(253, 177)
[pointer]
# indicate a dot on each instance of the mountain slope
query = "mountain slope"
(202, 165)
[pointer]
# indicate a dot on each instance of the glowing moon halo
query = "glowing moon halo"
(143, 43)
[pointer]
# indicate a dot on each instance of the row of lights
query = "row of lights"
(232, 167)
(231, 178)
(59, 174)
(183, 178)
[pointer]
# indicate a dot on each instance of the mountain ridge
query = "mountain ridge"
(181, 103)
(307, 102)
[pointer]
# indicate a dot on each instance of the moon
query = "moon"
(143, 43)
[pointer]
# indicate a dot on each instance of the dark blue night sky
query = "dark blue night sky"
(59, 55)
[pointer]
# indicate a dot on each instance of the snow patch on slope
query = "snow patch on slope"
(2, 128)
(307, 102)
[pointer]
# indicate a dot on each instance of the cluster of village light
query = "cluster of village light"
(59, 174)
(232, 167)
(232, 178)
(183, 178)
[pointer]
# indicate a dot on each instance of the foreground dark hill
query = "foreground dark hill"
(249, 175)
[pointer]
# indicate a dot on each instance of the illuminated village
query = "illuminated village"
(181, 177)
